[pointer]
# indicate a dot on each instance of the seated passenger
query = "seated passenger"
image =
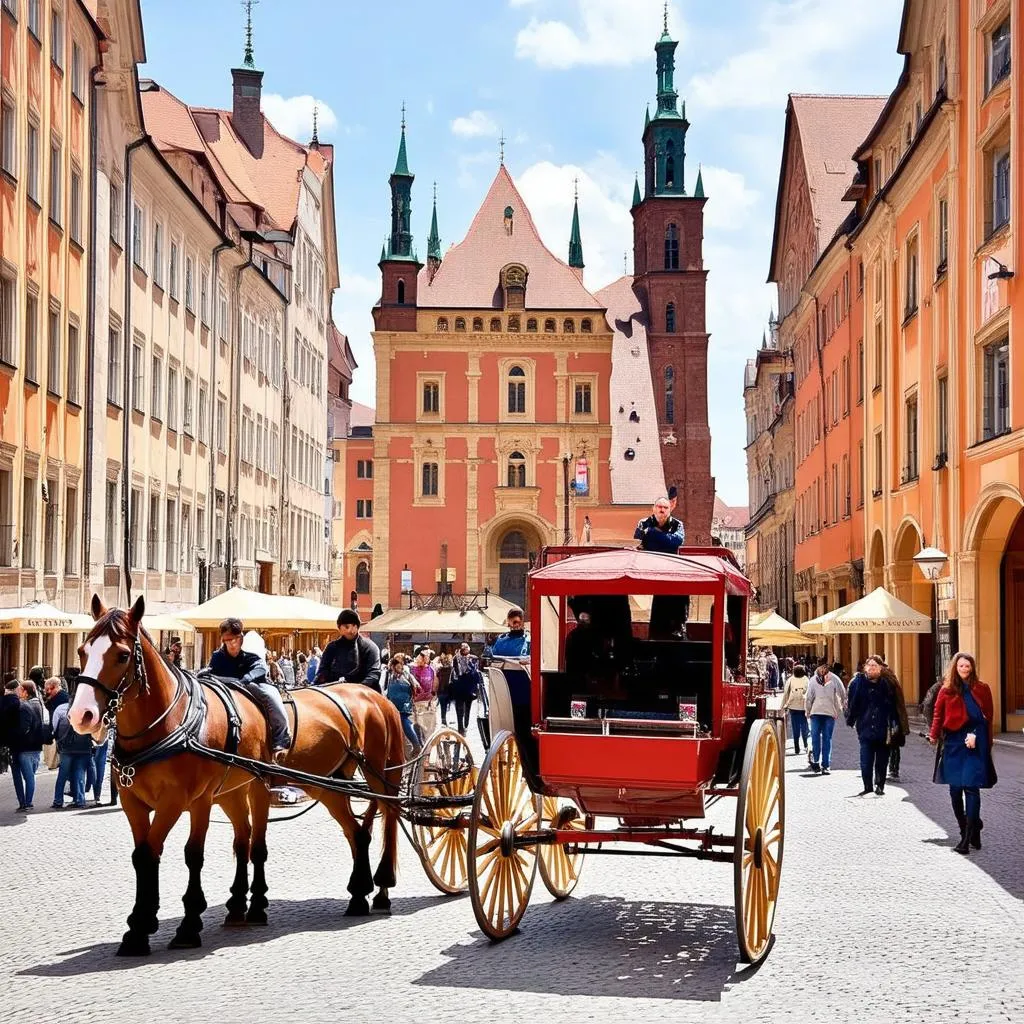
(515, 644)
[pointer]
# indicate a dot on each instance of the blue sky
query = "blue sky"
(566, 81)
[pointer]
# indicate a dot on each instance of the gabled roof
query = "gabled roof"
(732, 517)
(469, 273)
(363, 415)
(829, 130)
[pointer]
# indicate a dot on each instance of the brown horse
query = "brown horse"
(125, 678)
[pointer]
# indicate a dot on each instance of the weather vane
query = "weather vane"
(501, 149)
(666, 17)
(403, 115)
(316, 115)
(247, 59)
(576, 188)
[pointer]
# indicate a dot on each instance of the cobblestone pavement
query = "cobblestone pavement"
(878, 922)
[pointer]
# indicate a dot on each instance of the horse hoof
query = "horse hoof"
(185, 942)
(133, 946)
(381, 904)
(235, 921)
(257, 917)
(358, 907)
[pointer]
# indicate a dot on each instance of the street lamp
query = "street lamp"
(930, 561)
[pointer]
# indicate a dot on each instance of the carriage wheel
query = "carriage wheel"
(501, 874)
(760, 831)
(444, 768)
(560, 865)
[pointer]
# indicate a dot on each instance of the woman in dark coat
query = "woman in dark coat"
(874, 709)
(963, 721)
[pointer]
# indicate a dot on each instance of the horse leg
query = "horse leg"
(360, 883)
(194, 901)
(236, 807)
(142, 921)
(259, 807)
(389, 784)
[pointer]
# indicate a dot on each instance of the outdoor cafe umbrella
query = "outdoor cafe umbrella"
(261, 611)
(775, 631)
(40, 617)
(877, 612)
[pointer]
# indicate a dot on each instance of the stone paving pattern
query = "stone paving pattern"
(879, 921)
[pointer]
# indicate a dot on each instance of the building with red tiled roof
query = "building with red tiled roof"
(515, 407)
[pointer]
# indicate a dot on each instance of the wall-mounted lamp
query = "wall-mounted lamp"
(1002, 274)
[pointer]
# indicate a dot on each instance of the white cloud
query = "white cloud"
(475, 124)
(730, 202)
(612, 33)
(293, 116)
(797, 43)
(353, 302)
(469, 163)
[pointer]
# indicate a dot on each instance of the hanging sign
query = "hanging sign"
(406, 580)
(582, 477)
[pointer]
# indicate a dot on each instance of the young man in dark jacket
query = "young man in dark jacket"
(231, 662)
(350, 658)
(660, 531)
(75, 755)
(23, 735)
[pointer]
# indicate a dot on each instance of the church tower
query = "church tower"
(399, 265)
(669, 276)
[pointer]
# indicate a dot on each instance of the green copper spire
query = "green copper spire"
(575, 241)
(668, 98)
(434, 238)
(400, 240)
(665, 132)
(698, 192)
(647, 116)
(383, 252)
(402, 163)
(636, 191)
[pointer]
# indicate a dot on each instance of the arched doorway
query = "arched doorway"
(513, 565)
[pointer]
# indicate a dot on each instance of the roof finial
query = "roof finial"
(625, 266)
(403, 115)
(576, 187)
(501, 149)
(247, 58)
(665, 23)
(316, 134)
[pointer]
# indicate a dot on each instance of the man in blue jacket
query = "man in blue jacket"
(231, 662)
(515, 644)
(661, 531)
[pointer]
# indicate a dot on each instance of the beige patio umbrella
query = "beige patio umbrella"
(166, 624)
(261, 611)
(878, 612)
(775, 631)
(40, 617)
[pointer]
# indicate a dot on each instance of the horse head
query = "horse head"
(108, 664)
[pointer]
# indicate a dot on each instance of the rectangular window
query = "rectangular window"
(860, 371)
(158, 254)
(76, 206)
(996, 385)
(942, 235)
(70, 531)
(431, 397)
(110, 524)
(8, 138)
(138, 376)
(53, 353)
(879, 353)
(134, 548)
(55, 182)
(153, 535)
(910, 308)
(32, 338)
(172, 271)
(911, 469)
(172, 398)
(116, 211)
(171, 546)
(222, 314)
(517, 395)
(28, 522)
(204, 404)
(190, 284)
(138, 236)
(941, 420)
(877, 488)
(364, 469)
(156, 383)
(581, 404)
(6, 517)
(221, 425)
(8, 316)
(114, 381)
(187, 420)
(204, 295)
(33, 17)
(77, 72)
(430, 475)
(73, 363)
(364, 508)
(998, 63)
(1000, 188)
(32, 177)
(57, 36)
(860, 474)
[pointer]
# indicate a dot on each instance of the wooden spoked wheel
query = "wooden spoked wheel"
(760, 831)
(501, 873)
(560, 865)
(444, 769)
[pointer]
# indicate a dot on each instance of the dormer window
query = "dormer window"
(460, 323)
(478, 323)
(531, 325)
(495, 323)
(513, 285)
(549, 326)
(509, 214)
(442, 325)
(586, 326)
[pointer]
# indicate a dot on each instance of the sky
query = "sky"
(566, 83)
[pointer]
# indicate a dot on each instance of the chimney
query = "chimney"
(246, 117)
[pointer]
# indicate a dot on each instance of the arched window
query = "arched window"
(670, 318)
(478, 323)
(513, 565)
(495, 323)
(442, 324)
(672, 247)
(513, 547)
(517, 390)
(586, 326)
(460, 323)
(670, 164)
(517, 470)
(531, 325)
(401, 292)
(363, 578)
(568, 326)
(670, 399)
(549, 326)
(513, 325)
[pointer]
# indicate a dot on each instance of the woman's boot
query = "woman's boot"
(961, 820)
(974, 833)
(964, 846)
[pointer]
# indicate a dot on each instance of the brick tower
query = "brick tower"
(669, 275)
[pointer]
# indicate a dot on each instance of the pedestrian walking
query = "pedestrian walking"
(424, 693)
(793, 697)
(772, 671)
(467, 685)
(313, 665)
(96, 769)
(962, 725)
(400, 687)
(823, 703)
(287, 668)
(75, 755)
(21, 732)
(54, 695)
(443, 671)
(874, 710)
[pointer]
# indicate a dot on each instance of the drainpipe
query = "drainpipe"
(234, 446)
(126, 411)
(211, 510)
(90, 332)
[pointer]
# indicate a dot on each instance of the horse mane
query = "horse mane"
(116, 623)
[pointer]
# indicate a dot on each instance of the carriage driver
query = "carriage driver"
(350, 658)
(231, 662)
(661, 531)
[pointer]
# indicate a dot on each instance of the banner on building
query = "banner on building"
(582, 477)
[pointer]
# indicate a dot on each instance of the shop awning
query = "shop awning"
(40, 617)
(261, 611)
(879, 612)
(775, 631)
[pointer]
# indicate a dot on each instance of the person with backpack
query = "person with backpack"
(22, 734)
(75, 756)
(874, 710)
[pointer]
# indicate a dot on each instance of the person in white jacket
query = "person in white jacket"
(793, 697)
(824, 702)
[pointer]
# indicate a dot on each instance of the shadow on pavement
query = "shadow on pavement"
(287, 917)
(605, 946)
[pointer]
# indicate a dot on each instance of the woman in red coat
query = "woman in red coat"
(963, 720)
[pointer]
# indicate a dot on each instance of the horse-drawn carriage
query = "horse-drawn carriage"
(633, 707)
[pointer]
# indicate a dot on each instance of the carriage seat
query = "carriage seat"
(509, 698)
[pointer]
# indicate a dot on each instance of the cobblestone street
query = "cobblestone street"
(871, 895)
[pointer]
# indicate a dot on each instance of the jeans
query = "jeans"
(972, 795)
(95, 770)
(73, 767)
(444, 701)
(821, 739)
(268, 696)
(798, 722)
(410, 731)
(24, 765)
(874, 757)
(462, 706)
